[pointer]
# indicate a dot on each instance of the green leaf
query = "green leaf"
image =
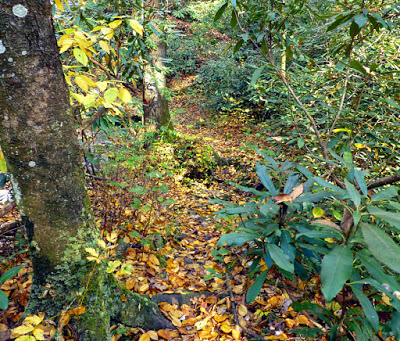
(392, 103)
(265, 178)
(290, 183)
(111, 95)
(368, 308)
(255, 288)
(3, 300)
(221, 11)
(382, 246)
(237, 238)
(356, 65)
(389, 217)
(10, 273)
(80, 56)
(360, 20)
(385, 194)
(238, 46)
(256, 75)
(376, 270)
(339, 22)
(233, 20)
(354, 194)
(395, 324)
(359, 175)
(336, 268)
(280, 258)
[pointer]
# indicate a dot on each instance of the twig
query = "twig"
(384, 181)
(88, 123)
(246, 331)
(97, 177)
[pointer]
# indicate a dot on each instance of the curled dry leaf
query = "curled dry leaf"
(327, 222)
(279, 198)
(347, 221)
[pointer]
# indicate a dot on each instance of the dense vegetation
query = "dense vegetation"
(304, 239)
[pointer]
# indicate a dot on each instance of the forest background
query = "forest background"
(280, 119)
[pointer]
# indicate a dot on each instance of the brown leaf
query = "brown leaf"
(327, 222)
(279, 198)
(297, 191)
(347, 221)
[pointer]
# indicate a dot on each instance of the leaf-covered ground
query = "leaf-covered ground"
(166, 239)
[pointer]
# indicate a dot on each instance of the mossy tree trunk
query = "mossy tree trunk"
(43, 159)
(155, 107)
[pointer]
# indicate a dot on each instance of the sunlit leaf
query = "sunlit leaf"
(80, 56)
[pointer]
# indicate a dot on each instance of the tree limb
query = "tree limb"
(388, 180)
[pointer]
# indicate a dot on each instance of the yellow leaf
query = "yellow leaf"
(66, 45)
(202, 323)
(34, 319)
(59, 5)
(101, 243)
(386, 299)
(236, 334)
(175, 321)
(362, 146)
(24, 329)
(104, 45)
(26, 338)
(124, 95)
(342, 129)
(242, 310)
(318, 212)
(136, 26)
(225, 327)
(92, 251)
(89, 81)
(101, 85)
(38, 334)
(144, 337)
(97, 260)
(115, 24)
(82, 83)
(153, 334)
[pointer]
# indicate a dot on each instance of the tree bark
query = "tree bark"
(156, 110)
(44, 162)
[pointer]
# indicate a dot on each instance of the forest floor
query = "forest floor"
(167, 246)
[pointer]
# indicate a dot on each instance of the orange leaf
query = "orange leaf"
(154, 260)
(144, 337)
(226, 327)
(164, 334)
(77, 311)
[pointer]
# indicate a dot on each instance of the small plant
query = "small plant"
(6, 276)
(303, 225)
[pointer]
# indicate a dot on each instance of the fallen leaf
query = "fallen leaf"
(242, 310)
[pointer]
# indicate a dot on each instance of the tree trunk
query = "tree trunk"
(44, 163)
(155, 107)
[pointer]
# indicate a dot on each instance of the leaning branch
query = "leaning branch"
(384, 181)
